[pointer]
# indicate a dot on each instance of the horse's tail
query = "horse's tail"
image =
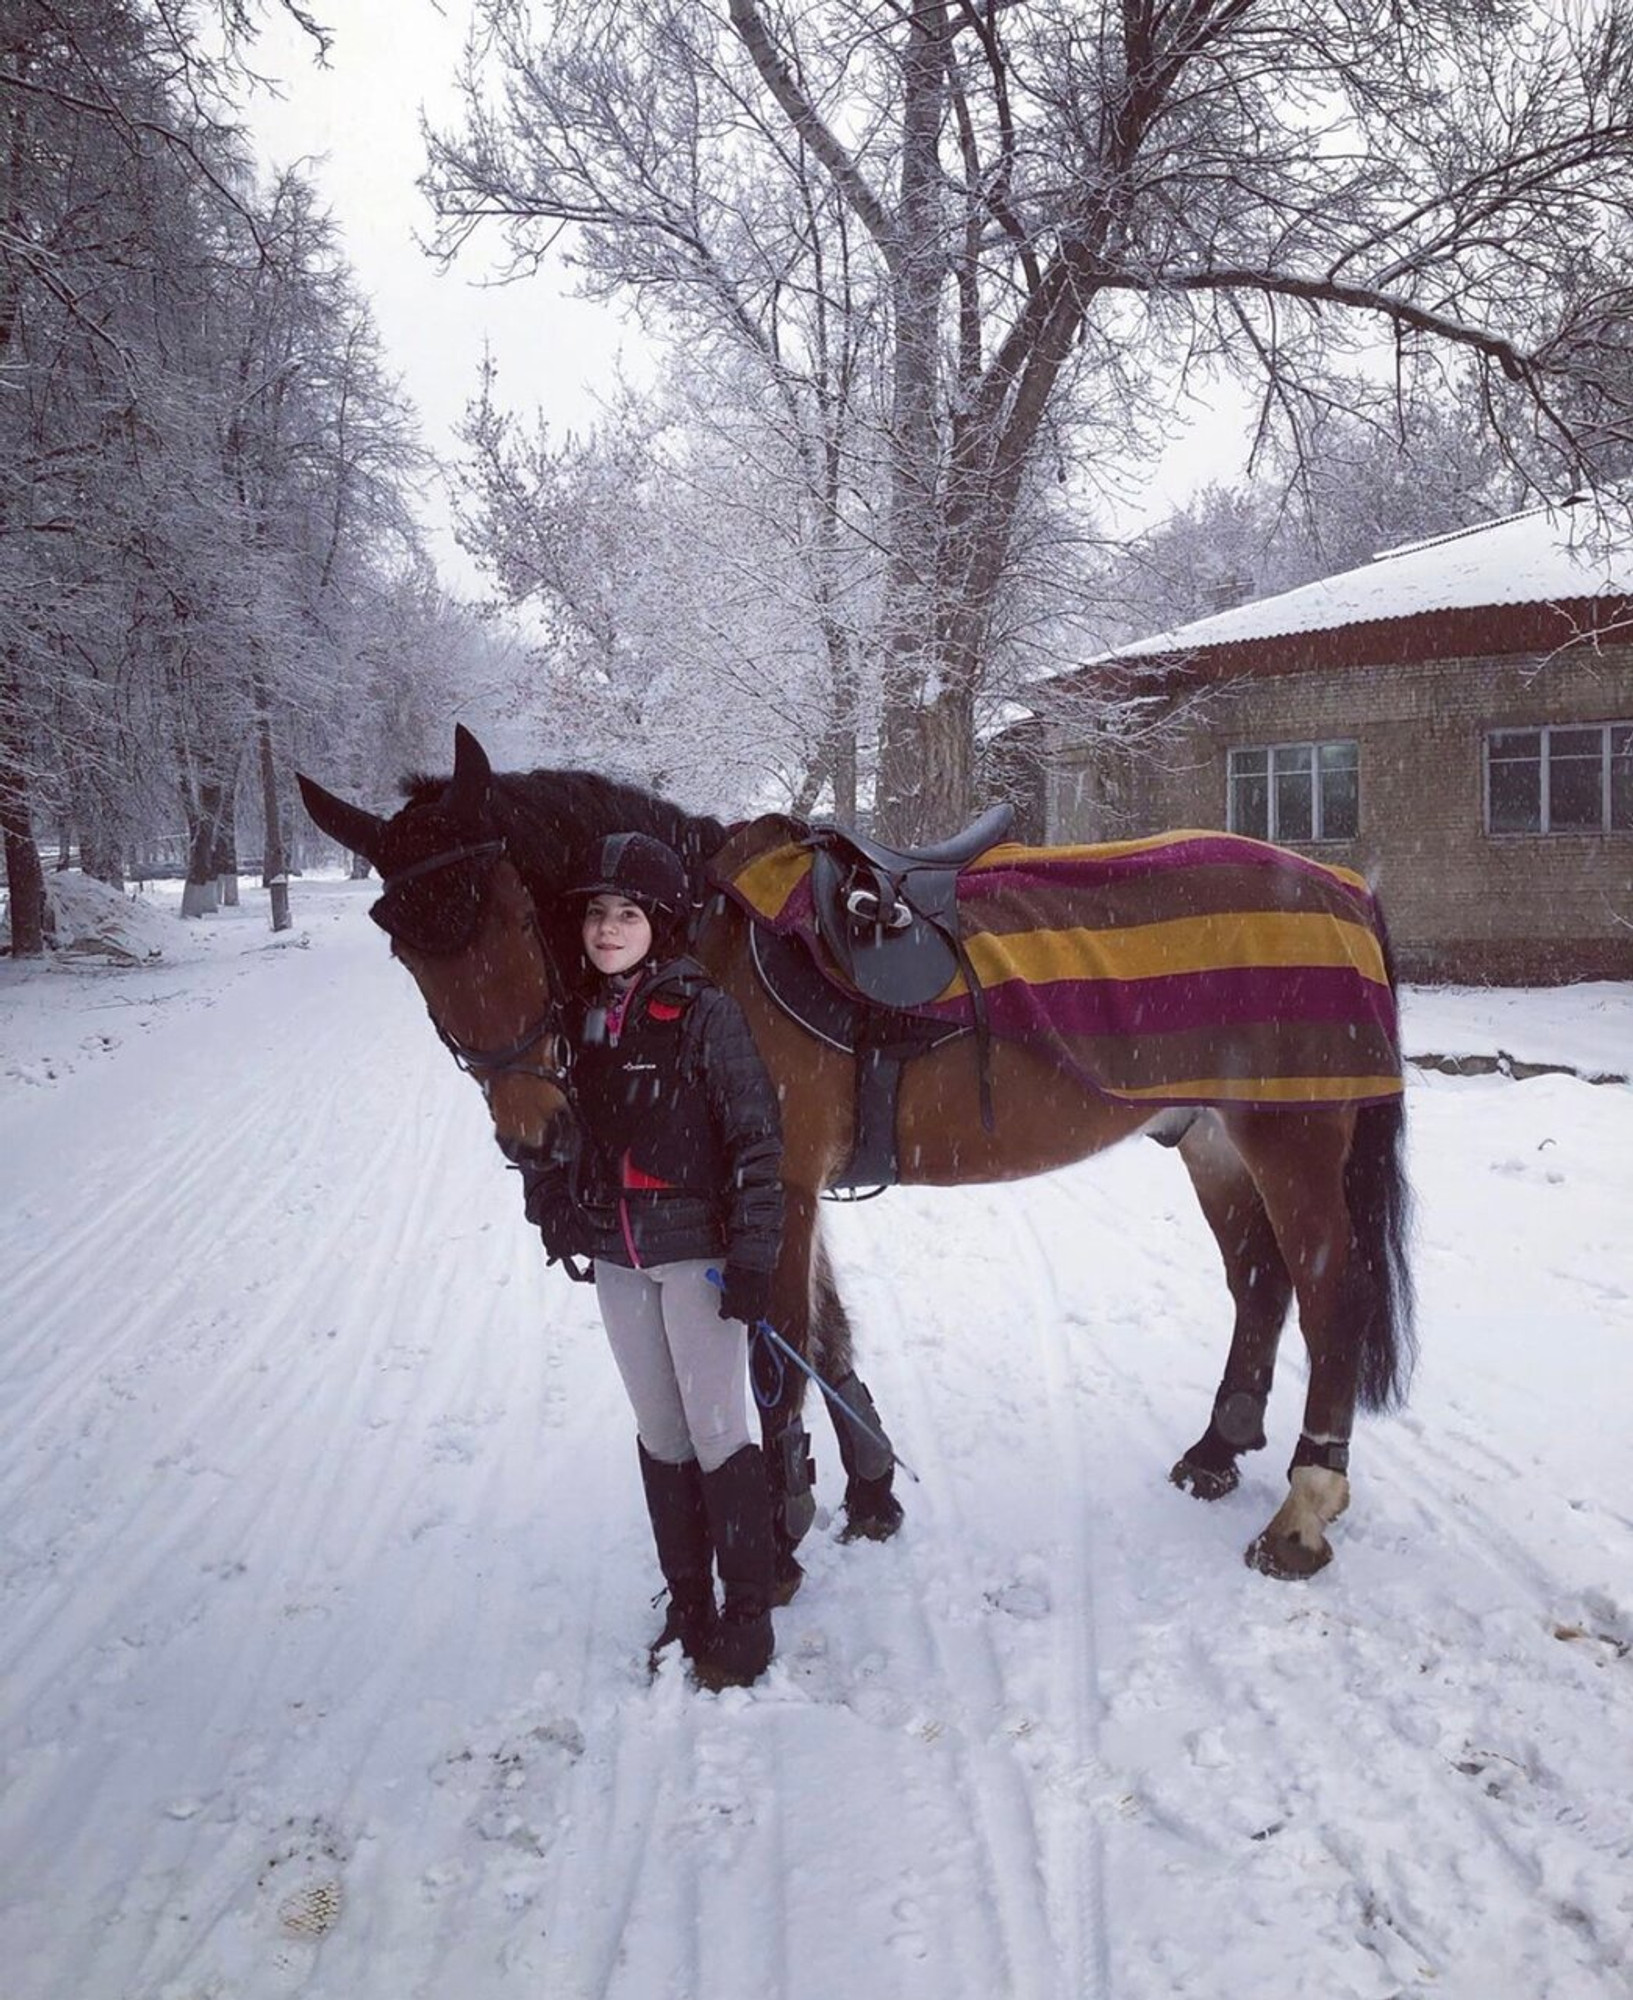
(1379, 1280)
(831, 1352)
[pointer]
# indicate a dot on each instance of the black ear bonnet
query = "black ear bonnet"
(434, 898)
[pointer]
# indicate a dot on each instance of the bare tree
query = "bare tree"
(1049, 210)
(207, 554)
(691, 611)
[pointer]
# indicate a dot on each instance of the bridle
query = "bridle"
(487, 1065)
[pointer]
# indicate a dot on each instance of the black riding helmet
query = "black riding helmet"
(645, 871)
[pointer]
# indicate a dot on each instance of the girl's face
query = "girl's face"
(617, 935)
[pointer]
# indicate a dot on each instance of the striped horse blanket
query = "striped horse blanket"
(1188, 968)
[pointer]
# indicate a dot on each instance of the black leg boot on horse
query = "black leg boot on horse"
(872, 1511)
(790, 1470)
(738, 1500)
(680, 1532)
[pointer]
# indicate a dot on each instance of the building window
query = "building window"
(1572, 779)
(1296, 791)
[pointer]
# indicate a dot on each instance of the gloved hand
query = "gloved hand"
(563, 1233)
(551, 1208)
(745, 1294)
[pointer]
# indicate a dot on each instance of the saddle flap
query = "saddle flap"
(889, 951)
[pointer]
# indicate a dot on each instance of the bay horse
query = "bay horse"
(1307, 1202)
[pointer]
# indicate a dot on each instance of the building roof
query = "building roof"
(1564, 559)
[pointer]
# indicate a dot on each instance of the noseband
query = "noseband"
(485, 1065)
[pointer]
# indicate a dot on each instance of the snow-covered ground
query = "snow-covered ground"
(324, 1578)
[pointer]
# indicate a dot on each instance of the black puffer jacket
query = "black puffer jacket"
(681, 1139)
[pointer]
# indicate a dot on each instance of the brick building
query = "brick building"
(1454, 719)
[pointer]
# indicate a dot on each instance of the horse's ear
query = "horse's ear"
(356, 829)
(467, 795)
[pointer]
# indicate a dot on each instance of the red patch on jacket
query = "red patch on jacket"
(638, 1177)
(665, 1010)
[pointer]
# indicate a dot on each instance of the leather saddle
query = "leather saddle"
(889, 916)
(880, 1044)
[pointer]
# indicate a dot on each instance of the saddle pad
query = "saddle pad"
(1187, 968)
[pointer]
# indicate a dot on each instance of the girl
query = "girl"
(677, 1172)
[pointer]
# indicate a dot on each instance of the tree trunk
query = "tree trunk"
(225, 858)
(25, 878)
(201, 894)
(274, 867)
(918, 272)
(100, 858)
(842, 745)
(946, 737)
(844, 680)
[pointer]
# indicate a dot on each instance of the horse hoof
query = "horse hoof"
(1205, 1482)
(872, 1511)
(870, 1528)
(1286, 1557)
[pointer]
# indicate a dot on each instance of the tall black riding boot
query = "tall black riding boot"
(739, 1507)
(680, 1532)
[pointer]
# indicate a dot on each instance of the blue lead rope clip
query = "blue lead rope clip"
(764, 1330)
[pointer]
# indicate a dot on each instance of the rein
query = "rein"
(485, 1064)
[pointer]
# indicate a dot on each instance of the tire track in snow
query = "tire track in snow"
(165, 1228)
(960, 1705)
(287, 1381)
(1040, 1856)
(1078, 1867)
(241, 1413)
(1077, 1380)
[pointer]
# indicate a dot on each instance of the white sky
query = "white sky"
(357, 124)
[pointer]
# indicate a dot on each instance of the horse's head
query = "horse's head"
(459, 918)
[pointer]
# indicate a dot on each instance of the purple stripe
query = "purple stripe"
(1054, 870)
(1168, 1003)
(798, 910)
(796, 913)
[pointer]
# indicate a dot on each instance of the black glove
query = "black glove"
(563, 1233)
(745, 1294)
(551, 1209)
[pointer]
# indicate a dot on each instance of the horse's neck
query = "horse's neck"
(556, 814)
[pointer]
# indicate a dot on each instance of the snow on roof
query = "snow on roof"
(1545, 555)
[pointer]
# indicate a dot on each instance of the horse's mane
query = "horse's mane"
(549, 818)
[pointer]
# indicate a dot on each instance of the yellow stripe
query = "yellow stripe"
(1268, 1089)
(1180, 945)
(769, 882)
(1013, 855)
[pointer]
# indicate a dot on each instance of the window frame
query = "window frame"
(1317, 836)
(1544, 733)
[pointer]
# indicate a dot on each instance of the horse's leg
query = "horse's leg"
(872, 1511)
(1261, 1288)
(1297, 1162)
(780, 1390)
